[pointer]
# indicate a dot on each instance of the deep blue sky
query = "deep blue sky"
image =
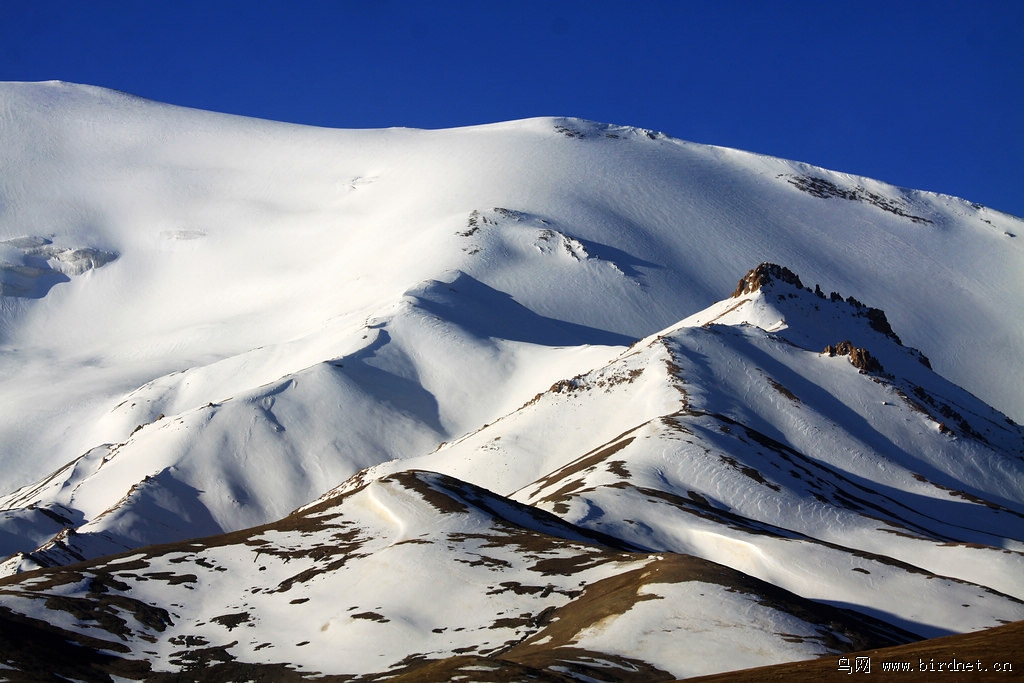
(928, 95)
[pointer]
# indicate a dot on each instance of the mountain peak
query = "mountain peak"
(764, 303)
(765, 274)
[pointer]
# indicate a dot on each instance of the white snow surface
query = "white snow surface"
(208, 321)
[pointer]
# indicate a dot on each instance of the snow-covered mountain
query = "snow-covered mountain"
(506, 362)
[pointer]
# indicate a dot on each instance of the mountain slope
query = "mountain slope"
(232, 234)
(227, 263)
(719, 439)
(349, 586)
(701, 525)
(985, 656)
(207, 322)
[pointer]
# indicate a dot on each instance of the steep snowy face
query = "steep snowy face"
(258, 249)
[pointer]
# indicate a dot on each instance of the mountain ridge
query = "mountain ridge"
(481, 530)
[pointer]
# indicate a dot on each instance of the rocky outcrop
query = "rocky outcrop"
(764, 274)
(859, 357)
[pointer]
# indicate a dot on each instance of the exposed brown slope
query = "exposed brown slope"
(995, 647)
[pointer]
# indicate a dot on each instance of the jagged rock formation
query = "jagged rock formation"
(859, 358)
(764, 274)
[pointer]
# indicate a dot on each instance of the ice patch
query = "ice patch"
(31, 265)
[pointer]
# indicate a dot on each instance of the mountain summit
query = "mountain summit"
(294, 402)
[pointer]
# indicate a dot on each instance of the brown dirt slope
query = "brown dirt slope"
(979, 656)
